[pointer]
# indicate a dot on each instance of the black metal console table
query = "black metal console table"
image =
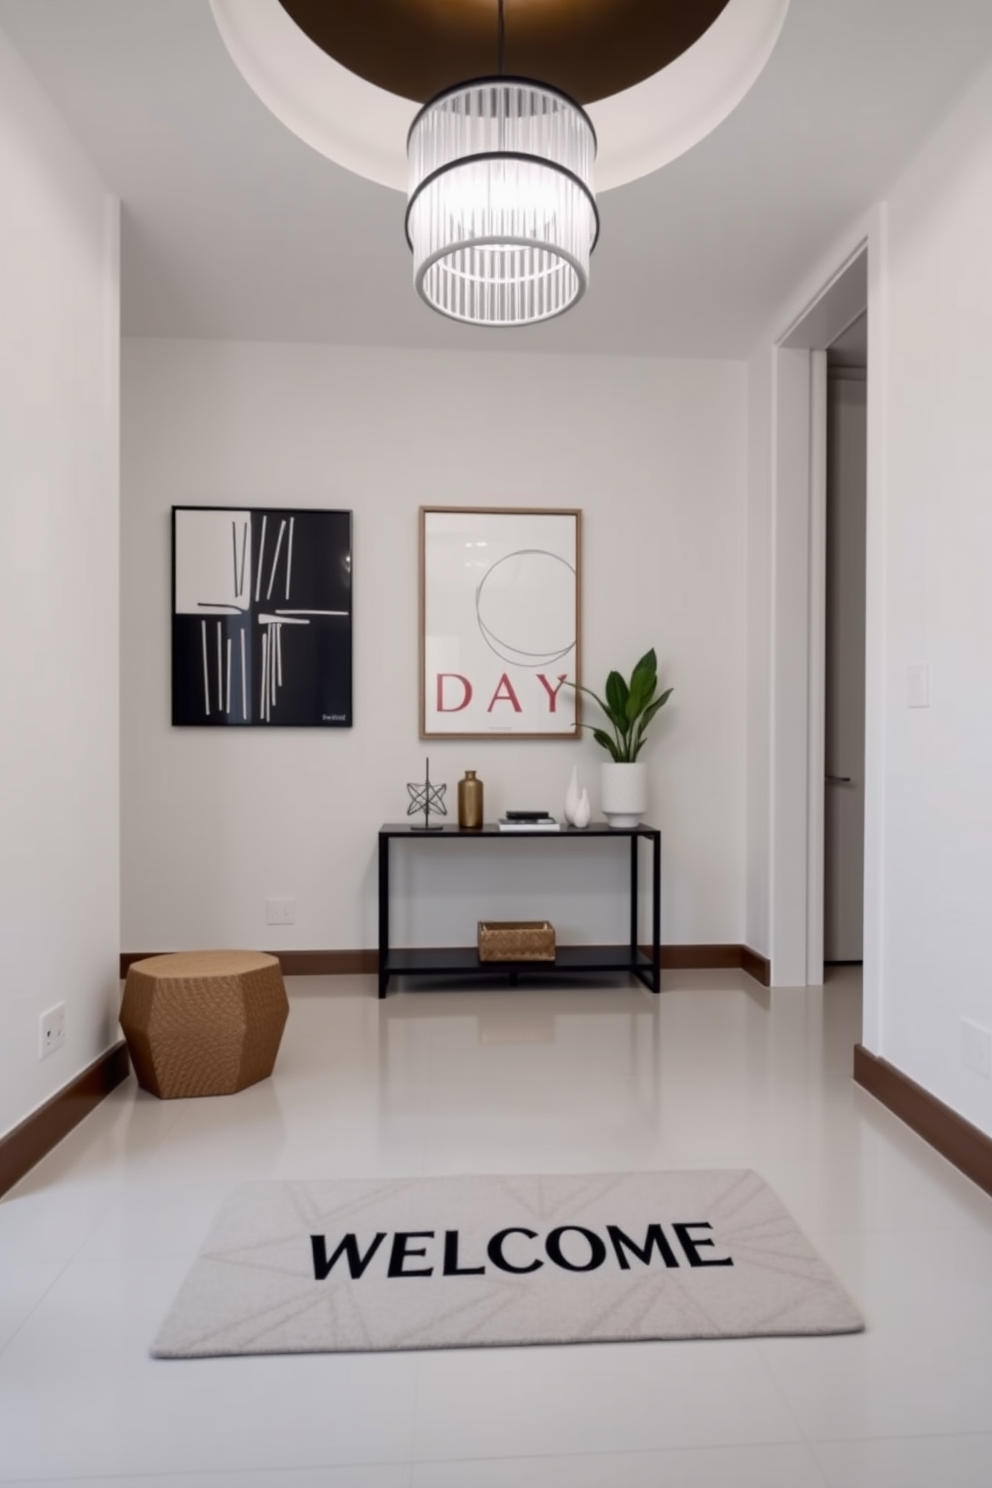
(463, 960)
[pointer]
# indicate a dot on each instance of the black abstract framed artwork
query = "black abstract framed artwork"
(261, 617)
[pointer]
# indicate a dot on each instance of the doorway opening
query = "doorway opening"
(845, 593)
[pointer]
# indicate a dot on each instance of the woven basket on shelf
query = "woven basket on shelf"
(516, 940)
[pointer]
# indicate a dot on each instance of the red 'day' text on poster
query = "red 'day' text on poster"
(454, 692)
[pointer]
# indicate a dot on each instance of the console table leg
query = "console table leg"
(656, 910)
(634, 891)
(383, 914)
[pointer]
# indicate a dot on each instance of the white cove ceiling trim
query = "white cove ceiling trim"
(364, 128)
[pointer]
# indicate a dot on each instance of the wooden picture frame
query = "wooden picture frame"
(500, 631)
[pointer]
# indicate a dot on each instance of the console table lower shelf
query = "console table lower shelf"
(569, 960)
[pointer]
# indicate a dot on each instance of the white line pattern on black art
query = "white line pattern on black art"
(307, 680)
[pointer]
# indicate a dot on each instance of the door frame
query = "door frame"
(798, 618)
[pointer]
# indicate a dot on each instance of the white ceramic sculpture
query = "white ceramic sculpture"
(572, 798)
(583, 811)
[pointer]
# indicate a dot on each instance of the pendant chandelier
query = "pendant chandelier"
(501, 216)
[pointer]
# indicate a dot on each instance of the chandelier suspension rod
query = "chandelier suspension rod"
(501, 39)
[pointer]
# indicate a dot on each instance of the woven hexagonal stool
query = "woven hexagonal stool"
(203, 1022)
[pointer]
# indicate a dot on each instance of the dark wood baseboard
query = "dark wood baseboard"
(962, 1144)
(295, 963)
(756, 966)
(328, 963)
(698, 957)
(38, 1133)
(366, 962)
(717, 958)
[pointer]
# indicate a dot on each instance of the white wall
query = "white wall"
(937, 525)
(59, 355)
(655, 455)
(928, 793)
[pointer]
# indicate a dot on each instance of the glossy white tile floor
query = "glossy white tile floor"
(715, 1072)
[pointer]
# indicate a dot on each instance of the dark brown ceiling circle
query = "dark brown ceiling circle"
(590, 48)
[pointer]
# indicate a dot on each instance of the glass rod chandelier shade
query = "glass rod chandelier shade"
(501, 216)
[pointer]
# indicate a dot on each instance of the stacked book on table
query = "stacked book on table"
(528, 821)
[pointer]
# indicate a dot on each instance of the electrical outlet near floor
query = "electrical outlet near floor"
(52, 1029)
(976, 1048)
(280, 911)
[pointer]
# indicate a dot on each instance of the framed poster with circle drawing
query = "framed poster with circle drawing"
(499, 622)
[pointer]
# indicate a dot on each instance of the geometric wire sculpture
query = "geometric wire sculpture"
(427, 798)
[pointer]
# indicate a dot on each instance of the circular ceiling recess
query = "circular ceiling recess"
(348, 76)
(590, 49)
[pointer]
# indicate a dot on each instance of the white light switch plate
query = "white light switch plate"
(976, 1048)
(918, 685)
(280, 911)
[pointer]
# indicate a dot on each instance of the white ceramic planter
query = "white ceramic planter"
(624, 793)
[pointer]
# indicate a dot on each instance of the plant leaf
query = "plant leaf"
(589, 693)
(607, 743)
(653, 708)
(599, 701)
(616, 695)
(642, 689)
(648, 664)
(628, 707)
(640, 733)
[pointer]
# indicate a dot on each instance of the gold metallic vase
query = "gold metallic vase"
(470, 801)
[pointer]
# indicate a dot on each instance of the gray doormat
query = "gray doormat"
(415, 1263)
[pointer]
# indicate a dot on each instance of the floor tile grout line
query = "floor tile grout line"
(916, 1436)
(233, 1475)
(780, 1393)
(611, 1453)
(63, 1267)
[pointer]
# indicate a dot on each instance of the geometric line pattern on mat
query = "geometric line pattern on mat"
(728, 1261)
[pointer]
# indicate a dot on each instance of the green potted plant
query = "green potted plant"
(629, 707)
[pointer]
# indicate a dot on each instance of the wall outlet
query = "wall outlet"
(976, 1048)
(52, 1030)
(280, 911)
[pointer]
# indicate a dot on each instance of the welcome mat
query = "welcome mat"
(474, 1261)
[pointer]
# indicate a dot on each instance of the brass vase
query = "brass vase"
(470, 801)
